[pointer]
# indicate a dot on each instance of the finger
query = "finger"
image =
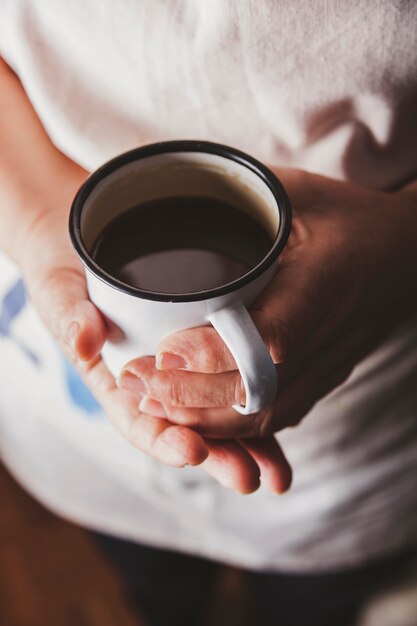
(276, 473)
(292, 404)
(301, 186)
(60, 296)
(170, 444)
(56, 284)
(218, 423)
(322, 374)
(197, 349)
(173, 445)
(179, 388)
(286, 315)
(291, 309)
(232, 466)
(202, 349)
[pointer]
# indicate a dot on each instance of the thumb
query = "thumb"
(303, 188)
(57, 288)
(290, 310)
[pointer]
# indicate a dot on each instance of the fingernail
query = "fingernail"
(130, 382)
(73, 331)
(169, 361)
(152, 407)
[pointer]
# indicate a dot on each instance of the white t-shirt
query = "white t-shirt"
(328, 87)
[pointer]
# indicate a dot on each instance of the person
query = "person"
(326, 96)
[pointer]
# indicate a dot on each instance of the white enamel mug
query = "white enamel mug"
(181, 168)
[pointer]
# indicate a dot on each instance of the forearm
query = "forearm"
(35, 176)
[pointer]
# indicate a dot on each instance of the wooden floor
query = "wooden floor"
(51, 574)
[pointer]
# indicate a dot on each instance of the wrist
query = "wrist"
(33, 209)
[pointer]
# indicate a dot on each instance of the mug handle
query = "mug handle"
(235, 326)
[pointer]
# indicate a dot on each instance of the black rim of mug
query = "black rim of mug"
(264, 173)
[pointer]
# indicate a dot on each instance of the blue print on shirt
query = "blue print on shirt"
(12, 305)
(79, 393)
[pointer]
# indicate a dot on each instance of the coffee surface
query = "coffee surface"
(181, 245)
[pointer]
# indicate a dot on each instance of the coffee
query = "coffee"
(181, 245)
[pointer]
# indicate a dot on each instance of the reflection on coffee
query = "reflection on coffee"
(181, 245)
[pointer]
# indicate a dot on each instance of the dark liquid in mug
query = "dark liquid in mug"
(181, 245)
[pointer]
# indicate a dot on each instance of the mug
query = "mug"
(181, 168)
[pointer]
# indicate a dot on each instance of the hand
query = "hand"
(37, 183)
(345, 281)
(57, 288)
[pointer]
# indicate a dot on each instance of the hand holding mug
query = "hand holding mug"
(345, 281)
(56, 283)
(142, 181)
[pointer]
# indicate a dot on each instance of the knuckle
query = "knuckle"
(208, 351)
(183, 344)
(202, 348)
(176, 393)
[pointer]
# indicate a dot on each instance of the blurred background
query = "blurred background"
(52, 574)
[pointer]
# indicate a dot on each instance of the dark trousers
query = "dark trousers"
(173, 589)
